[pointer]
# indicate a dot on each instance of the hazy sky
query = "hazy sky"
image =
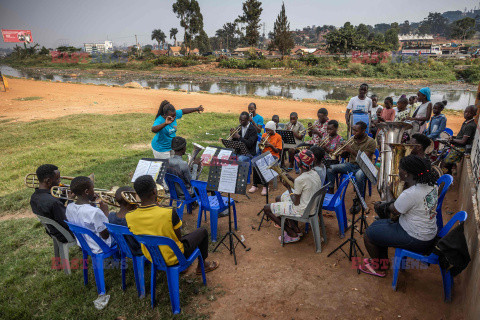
(56, 22)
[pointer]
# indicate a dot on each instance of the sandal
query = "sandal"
(368, 269)
(211, 266)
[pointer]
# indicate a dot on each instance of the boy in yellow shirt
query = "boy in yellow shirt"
(151, 219)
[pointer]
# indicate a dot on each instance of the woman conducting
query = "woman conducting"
(416, 227)
(165, 128)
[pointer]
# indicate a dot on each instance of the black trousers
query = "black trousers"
(197, 238)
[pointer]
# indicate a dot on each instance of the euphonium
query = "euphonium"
(107, 196)
(275, 167)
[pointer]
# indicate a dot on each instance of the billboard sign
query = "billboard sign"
(17, 35)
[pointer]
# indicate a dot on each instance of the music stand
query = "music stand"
(238, 146)
(145, 168)
(215, 183)
(371, 173)
(288, 140)
(353, 242)
(261, 164)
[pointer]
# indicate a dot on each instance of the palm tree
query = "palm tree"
(158, 36)
(173, 34)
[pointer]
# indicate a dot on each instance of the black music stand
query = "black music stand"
(260, 164)
(213, 184)
(288, 142)
(237, 146)
(353, 242)
(161, 171)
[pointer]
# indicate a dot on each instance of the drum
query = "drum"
(430, 148)
(444, 136)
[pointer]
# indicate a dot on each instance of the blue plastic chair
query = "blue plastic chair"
(171, 181)
(214, 204)
(447, 180)
(336, 202)
(173, 272)
(119, 232)
(449, 131)
(365, 117)
(97, 259)
(401, 254)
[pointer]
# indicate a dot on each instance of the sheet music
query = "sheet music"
(142, 168)
(224, 154)
(369, 164)
(263, 164)
(154, 169)
(207, 155)
(228, 178)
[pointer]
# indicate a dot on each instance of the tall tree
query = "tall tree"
(435, 23)
(463, 28)
(405, 27)
(282, 37)
(391, 38)
(252, 9)
(344, 40)
(173, 34)
(362, 30)
(158, 36)
(191, 19)
(202, 42)
(229, 35)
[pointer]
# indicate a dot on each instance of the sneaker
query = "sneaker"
(264, 191)
(253, 189)
(288, 239)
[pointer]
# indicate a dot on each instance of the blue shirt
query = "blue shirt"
(437, 125)
(258, 119)
(162, 141)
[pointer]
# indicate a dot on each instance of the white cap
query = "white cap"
(271, 125)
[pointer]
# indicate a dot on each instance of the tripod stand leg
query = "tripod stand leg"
(221, 242)
(338, 248)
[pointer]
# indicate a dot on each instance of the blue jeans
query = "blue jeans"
(347, 167)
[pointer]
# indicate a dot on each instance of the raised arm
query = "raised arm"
(191, 110)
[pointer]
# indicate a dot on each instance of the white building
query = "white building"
(106, 47)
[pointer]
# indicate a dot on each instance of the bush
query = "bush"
(470, 75)
(177, 61)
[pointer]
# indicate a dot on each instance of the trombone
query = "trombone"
(132, 198)
(31, 180)
(237, 130)
(340, 149)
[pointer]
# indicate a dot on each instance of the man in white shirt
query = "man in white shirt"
(295, 201)
(360, 103)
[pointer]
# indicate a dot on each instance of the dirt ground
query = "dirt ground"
(59, 99)
(269, 281)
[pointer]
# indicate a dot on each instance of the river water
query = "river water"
(457, 98)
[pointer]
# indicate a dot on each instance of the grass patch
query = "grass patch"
(28, 98)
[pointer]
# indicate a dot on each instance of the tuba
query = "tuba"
(399, 151)
(392, 133)
(192, 157)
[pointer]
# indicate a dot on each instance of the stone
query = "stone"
(132, 85)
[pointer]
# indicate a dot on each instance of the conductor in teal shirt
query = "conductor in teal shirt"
(165, 128)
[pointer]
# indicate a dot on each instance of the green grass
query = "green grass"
(28, 98)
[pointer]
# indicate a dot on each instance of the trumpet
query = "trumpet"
(237, 130)
(302, 132)
(309, 127)
(262, 143)
(275, 167)
(107, 196)
(324, 142)
(340, 149)
(31, 180)
(132, 198)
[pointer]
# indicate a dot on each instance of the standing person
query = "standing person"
(296, 127)
(273, 144)
(46, 205)
(361, 142)
(319, 128)
(438, 123)
(247, 135)
(416, 227)
(294, 202)
(151, 219)
(359, 104)
(388, 114)
(255, 119)
(464, 139)
(424, 111)
(165, 128)
(375, 106)
(413, 104)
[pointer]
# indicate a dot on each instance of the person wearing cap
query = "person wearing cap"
(179, 167)
(294, 201)
(273, 145)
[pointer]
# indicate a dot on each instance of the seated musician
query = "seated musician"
(296, 127)
(319, 129)
(438, 122)
(276, 119)
(416, 227)
(464, 139)
(334, 139)
(46, 205)
(82, 212)
(273, 143)
(361, 142)
(319, 165)
(151, 219)
(119, 218)
(294, 202)
(179, 167)
(247, 135)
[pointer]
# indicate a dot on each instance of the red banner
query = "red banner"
(17, 36)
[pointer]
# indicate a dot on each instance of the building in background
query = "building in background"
(106, 47)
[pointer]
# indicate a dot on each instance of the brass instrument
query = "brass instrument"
(31, 180)
(192, 157)
(302, 132)
(309, 126)
(132, 198)
(399, 151)
(107, 196)
(340, 149)
(275, 167)
(324, 142)
(262, 143)
(237, 130)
